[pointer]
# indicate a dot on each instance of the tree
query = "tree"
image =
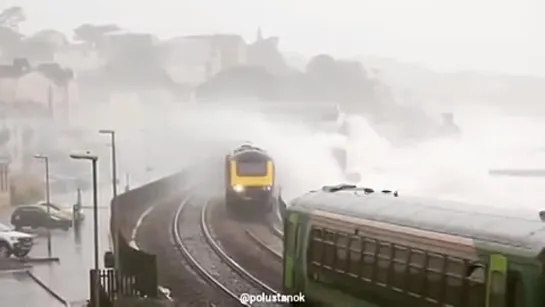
(94, 34)
(54, 72)
(9, 38)
(53, 37)
(239, 82)
(12, 17)
(136, 63)
(321, 66)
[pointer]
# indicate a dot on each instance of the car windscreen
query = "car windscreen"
(53, 207)
(4, 227)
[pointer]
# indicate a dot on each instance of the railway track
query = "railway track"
(273, 247)
(208, 259)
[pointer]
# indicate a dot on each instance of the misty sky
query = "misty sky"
(498, 35)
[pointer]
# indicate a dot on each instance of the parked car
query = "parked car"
(36, 216)
(62, 212)
(14, 242)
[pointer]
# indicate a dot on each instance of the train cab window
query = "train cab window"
(251, 168)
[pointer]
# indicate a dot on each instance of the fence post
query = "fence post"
(92, 285)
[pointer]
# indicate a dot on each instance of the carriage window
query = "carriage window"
(342, 246)
(435, 267)
(400, 263)
(315, 253)
(515, 290)
(342, 253)
(316, 246)
(354, 266)
(329, 245)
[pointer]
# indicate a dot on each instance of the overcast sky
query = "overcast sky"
(498, 35)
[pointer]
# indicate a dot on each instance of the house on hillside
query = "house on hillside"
(115, 42)
(9, 76)
(264, 52)
(36, 87)
(232, 50)
(190, 60)
(195, 59)
(79, 57)
(28, 97)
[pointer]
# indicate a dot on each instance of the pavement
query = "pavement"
(69, 277)
(19, 289)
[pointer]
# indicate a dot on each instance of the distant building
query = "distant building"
(264, 52)
(232, 50)
(190, 60)
(79, 57)
(113, 43)
(29, 97)
(195, 59)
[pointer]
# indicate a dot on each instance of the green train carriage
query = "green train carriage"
(350, 247)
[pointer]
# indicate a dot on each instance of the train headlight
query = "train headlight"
(238, 188)
(268, 188)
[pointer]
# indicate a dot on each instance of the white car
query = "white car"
(14, 242)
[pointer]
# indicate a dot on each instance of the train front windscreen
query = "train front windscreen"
(252, 168)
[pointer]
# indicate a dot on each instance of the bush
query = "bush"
(26, 190)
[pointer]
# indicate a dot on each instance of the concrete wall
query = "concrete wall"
(131, 205)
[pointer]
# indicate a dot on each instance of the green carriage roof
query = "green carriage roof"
(448, 217)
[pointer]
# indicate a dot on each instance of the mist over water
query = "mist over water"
(457, 169)
(173, 136)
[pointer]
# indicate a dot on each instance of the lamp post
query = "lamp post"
(114, 159)
(47, 198)
(114, 191)
(93, 159)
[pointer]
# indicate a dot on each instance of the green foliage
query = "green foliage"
(94, 34)
(12, 17)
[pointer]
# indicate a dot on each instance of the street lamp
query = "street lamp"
(47, 198)
(114, 159)
(114, 191)
(93, 159)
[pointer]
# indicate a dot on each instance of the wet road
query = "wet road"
(69, 278)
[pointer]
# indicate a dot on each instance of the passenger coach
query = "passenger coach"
(347, 246)
(250, 181)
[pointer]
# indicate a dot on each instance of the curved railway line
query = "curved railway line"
(205, 255)
(273, 247)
